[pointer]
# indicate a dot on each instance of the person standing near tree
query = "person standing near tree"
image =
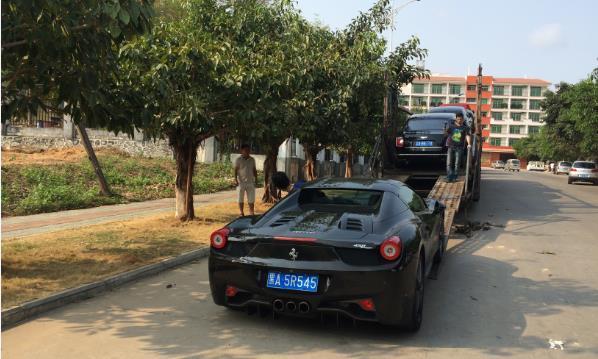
(246, 179)
(457, 134)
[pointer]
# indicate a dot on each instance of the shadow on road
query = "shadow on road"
(477, 302)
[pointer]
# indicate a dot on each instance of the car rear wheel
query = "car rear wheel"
(414, 321)
(569, 181)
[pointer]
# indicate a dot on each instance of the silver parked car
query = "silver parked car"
(583, 171)
(563, 167)
(498, 164)
(512, 165)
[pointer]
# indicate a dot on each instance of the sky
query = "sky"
(547, 39)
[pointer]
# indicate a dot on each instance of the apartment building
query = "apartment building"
(510, 107)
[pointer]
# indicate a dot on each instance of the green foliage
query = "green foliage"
(29, 189)
(62, 55)
(570, 124)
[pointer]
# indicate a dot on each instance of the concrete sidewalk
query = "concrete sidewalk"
(13, 227)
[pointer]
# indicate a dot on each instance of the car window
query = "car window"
(568, 164)
(419, 124)
(366, 199)
(584, 165)
(412, 199)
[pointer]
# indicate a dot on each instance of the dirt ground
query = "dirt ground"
(50, 156)
(39, 265)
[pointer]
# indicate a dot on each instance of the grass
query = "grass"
(37, 266)
(38, 183)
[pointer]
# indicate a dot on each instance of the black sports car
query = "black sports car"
(359, 247)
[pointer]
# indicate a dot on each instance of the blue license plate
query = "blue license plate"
(581, 175)
(423, 143)
(292, 281)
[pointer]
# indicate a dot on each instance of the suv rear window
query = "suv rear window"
(584, 165)
(366, 199)
(568, 164)
(515, 162)
(423, 124)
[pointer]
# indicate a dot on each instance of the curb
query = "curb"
(23, 312)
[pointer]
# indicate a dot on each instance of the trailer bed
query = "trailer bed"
(449, 194)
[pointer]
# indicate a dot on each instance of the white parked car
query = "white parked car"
(535, 166)
(498, 164)
(583, 171)
(563, 167)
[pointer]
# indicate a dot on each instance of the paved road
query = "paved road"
(504, 292)
(13, 227)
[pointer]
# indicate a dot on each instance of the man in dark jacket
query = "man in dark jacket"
(457, 134)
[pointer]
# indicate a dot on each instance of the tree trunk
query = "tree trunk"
(349, 163)
(185, 154)
(104, 189)
(311, 153)
(271, 194)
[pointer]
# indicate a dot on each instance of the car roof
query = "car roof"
(437, 115)
(386, 185)
(448, 109)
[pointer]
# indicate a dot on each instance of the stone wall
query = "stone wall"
(139, 148)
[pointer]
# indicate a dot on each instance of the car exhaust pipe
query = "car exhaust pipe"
(291, 306)
(303, 307)
(278, 305)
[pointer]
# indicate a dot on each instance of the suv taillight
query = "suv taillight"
(390, 249)
(219, 238)
(573, 170)
(400, 142)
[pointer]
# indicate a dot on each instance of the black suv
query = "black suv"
(423, 137)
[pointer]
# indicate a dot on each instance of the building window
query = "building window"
(485, 88)
(498, 90)
(534, 116)
(454, 100)
(515, 130)
(499, 103)
(517, 90)
(418, 88)
(496, 141)
(534, 104)
(471, 99)
(496, 129)
(471, 87)
(404, 100)
(485, 114)
(484, 101)
(516, 116)
(436, 101)
(455, 89)
(517, 104)
(437, 89)
(535, 91)
(418, 101)
(533, 130)
(513, 141)
(497, 116)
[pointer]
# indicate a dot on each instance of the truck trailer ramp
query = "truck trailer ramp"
(449, 194)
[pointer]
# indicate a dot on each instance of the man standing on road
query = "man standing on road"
(246, 179)
(457, 134)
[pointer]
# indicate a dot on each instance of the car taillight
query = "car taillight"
(231, 291)
(391, 248)
(219, 238)
(573, 170)
(595, 170)
(400, 142)
(367, 305)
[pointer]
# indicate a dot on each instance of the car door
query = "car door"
(427, 225)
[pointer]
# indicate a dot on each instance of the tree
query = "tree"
(570, 126)
(62, 56)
